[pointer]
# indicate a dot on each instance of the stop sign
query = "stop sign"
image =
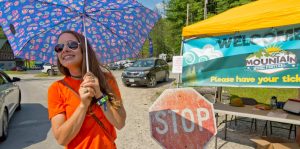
(182, 118)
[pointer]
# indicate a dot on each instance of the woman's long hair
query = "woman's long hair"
(95, 67)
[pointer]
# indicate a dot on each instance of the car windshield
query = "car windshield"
(143, 63)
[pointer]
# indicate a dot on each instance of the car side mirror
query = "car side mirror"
(15, 79)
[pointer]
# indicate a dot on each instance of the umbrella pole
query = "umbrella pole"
(86, 47)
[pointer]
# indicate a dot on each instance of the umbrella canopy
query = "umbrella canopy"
(116, 29)
(255, 15)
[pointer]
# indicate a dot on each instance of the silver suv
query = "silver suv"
(50, 69)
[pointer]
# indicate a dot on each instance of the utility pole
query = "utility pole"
(205, 9)
(187, 14)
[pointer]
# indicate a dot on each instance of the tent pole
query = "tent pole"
(219, 94)
(187, 23)
(179, 76)
(298, 127)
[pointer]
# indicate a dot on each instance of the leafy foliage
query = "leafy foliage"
(176, 18)
(2, 36)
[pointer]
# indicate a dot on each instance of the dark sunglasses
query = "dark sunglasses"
(71, 45)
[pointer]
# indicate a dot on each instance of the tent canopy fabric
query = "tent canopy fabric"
(260, 14)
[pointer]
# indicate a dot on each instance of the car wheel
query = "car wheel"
(152, 82)
(4, 126)
(167, 77)
(127, 84)
(50, 72)
(19, 102)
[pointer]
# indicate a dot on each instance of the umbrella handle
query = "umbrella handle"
(86, 47)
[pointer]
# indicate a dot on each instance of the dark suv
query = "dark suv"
(146, 72)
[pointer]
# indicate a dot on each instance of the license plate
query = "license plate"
(131, 80)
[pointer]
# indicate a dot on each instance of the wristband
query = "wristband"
(102, 101)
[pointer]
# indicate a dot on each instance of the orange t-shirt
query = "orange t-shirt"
(91, 136)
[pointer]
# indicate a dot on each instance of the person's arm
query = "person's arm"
(116, 117)
(65, 130)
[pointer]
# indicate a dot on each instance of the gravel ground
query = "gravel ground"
(136, 133)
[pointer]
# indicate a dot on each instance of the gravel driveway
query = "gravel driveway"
(137, 100)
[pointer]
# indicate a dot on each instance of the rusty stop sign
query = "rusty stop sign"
(182, 118)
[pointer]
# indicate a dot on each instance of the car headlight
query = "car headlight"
(143, 73)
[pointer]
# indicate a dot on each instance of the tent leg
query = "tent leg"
(219, 94)
(225, 126)
(298, 127)
(216, 137)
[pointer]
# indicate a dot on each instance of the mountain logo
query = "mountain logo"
(270, 60)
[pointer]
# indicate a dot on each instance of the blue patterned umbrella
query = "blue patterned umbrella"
(116, 29)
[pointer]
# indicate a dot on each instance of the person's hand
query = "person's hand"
(92, 82)
(86, 90)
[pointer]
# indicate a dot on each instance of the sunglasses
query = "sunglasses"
(71, 45)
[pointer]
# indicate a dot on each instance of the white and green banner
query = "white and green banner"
(264, 58)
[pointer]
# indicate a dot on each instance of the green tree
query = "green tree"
(166, 34)
(145, 50)
(223, 5)
(158, 36)
(176, 16)
(2, 36)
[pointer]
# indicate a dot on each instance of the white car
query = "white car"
(50, 69)
(10, 101)
(128, 64)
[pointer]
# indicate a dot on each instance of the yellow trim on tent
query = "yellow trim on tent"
(255, 15)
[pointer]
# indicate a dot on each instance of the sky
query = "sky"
(150, 3)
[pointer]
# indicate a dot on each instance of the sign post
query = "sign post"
(182, 118)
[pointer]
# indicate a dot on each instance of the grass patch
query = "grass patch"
(46, 75)
(41, 75)
(15, 72)
(263, 95)
(170, 68)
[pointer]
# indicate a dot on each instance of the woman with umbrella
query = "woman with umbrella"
(84, 107)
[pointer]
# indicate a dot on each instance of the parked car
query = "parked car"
(36, 67)
(129, 63)
(114, 66)
(50, 69)
(10, 101)
(121, 62)
(146, 72)
(21, 68)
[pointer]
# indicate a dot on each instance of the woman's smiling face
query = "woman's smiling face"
(69, 57)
